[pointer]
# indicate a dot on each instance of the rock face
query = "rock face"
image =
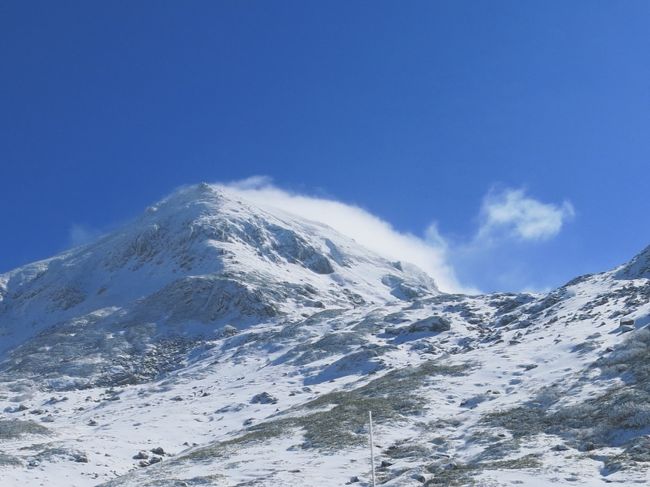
(252, 344)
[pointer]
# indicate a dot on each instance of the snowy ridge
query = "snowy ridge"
(216, 342)
(637, 268)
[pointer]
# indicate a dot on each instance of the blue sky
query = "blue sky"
(485, 118)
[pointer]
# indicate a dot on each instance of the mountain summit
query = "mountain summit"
(217, 342)
(198, 260)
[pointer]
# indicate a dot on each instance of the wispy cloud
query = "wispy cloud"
(81, 235)
(511, 213)
(429, 253)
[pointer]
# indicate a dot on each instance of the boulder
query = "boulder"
(228, 331)
(432, 324)
(264, 398)
(80, 458)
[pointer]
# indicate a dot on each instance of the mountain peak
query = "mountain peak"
(197, 260)
(246, 235)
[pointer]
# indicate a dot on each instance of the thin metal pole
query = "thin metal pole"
(372, 451)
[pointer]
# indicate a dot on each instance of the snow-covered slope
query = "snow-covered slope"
(249, 344)
(195, 262)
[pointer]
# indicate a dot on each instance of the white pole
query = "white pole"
(372, 451)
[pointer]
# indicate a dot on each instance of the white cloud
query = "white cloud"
(81, 235)
(510, 213)
(430, 253)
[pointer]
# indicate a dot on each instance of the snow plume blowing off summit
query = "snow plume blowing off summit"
(431, 254)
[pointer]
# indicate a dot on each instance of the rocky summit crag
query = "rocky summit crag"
(213, 341)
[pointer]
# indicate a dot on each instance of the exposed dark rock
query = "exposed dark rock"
(264, 398)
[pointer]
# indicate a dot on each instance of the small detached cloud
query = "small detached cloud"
(511, 213)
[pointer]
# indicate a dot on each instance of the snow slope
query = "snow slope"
(249, 344)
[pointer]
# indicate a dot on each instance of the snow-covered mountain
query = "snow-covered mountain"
(217, 342)
(192, 264)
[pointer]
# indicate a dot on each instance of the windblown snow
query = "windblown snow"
(216, 342)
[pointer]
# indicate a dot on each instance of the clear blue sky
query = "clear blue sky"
(412, 110)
